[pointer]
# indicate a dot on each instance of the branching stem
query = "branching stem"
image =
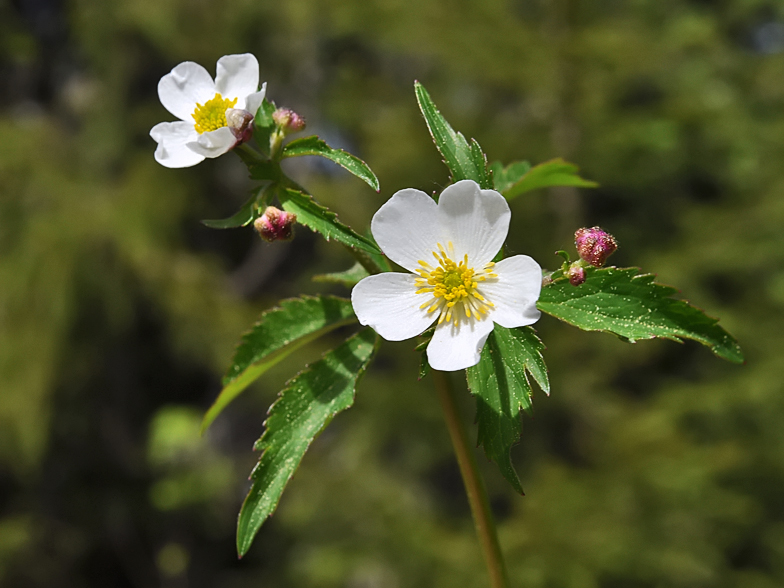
(475, 488)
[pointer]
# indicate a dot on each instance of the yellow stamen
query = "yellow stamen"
(211, 115)
(451, 286)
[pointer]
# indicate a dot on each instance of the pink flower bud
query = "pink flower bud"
(275, 224)
(576, 275)
(288, 120)
(241, 124)
(594, 245)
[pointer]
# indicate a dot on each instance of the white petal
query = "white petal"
(237, 77)
(172, 139)
(476, 221)
(406, 229)
(455, 348)
(180, 90)
(214, 143)
(253, 101)
(515, 293)
(388, 303)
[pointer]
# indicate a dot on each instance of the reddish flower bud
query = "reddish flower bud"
(576, 275)
(594, 245)
(288, 120)
(241, 124)
(275, 224)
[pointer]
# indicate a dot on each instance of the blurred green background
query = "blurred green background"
(653, 465)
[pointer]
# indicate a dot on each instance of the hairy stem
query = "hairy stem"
(475, 488)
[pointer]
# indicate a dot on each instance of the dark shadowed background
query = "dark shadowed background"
(654, 465)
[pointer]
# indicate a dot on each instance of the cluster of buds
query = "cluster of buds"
(594, 246)
(275, 224)
(240, 122)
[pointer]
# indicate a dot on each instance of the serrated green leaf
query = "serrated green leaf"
(315, 146)
(505, 177)
(347, 278)
(322, 220)
(278, 332)
(479, 158)
(244, 216)
(555, 172)
(263, 125)
(501, 386)
(631, 305)
(462, 161)
(305, 406)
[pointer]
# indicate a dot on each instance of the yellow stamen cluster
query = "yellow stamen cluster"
(453, 286)
(211, 115)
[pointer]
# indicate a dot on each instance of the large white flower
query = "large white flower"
(190, 94)
(449, 247)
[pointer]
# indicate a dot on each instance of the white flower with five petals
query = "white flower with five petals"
(449, 248)
(190, 94)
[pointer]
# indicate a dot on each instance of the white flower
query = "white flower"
(449, 247)
(190, 94)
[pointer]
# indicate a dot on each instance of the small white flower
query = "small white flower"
(190, 94)
(449, 247)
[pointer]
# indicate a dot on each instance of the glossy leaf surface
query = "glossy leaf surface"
(631, 305)
(303, 409)
(464, 162)
(322, 220)
(500, 382)
(279, 332)
(315, 146)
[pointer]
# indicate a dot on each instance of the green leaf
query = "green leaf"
(322, 220)
(278, 332)
(555, 172)
(424, 366)
(315, 146)
(479, 158)
(263, 125)
(505, 177)
(631, 305)
(244, 215)
(501, 386)
(464, 162)
(377, 258)
(303, 409)
(347, 278)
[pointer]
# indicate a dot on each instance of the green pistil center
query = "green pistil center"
(453, 279)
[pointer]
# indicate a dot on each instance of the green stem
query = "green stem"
(248, 154)
(475, 488)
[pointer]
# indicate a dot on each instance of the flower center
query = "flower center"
(211, 115)
(453, 287)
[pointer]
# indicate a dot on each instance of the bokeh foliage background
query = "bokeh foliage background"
(652, 465)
